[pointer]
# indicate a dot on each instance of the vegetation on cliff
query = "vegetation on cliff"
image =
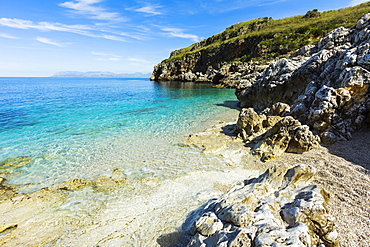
(268, 39)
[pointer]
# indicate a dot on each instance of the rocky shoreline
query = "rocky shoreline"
(319, 95)
(279, 206)
(341, 170)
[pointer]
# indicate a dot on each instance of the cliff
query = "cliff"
(247, 48)
(325, 87)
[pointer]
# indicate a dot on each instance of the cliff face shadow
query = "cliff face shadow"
(173, 239)
(232, 104)
(356, 150)
(182, 236)
(229, 130)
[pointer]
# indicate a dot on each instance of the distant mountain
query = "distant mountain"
(100, 74)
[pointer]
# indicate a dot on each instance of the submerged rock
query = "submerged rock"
(278, 208)
(7, 167)
(14, 162)
(53, 211)
(6, 191)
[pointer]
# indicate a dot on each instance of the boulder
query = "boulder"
(269, 136)
(279, 208)
(250, 124)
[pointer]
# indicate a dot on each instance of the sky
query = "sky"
(42, 37)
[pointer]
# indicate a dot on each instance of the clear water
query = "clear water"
(86, 129)
(80, 128)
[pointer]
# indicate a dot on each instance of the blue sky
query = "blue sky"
(41, 37)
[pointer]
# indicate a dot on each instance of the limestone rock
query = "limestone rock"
(278, 208)
(278, 109)
(225, 76)
(325, 86)
(276, 140)
(249, 123)
(208, 224)
(363, 21)
(270, 136)
(302, 140)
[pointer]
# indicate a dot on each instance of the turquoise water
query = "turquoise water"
(85, 128)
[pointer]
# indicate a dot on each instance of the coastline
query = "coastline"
(329, 104)
(163, 161)
(343, 171)
(115, 209)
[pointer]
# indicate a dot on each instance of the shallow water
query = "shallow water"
(89, 128)
(81, 128)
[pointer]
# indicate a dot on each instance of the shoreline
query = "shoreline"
(343, 171)
(114, 208)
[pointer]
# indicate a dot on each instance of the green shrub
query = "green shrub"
(312, 14)
(279, 37)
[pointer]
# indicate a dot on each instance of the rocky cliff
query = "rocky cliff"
(319, 94)
(243, 50)
(325, 86)
(203, 61)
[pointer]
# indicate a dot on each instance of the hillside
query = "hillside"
(249, 46)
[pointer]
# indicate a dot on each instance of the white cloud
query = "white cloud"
(48, 26)
(138, 60)
(222, 6)
(193, 37)
(16, 23)
(87, 7)
(113, 37)
(177, 32)
(270, 2)
(104, 54)
(172, 29)
(139, 34)
(108, 59)
(49, 42)
(43, 26)
(8, 36)
(356, 2)
(140, 64)
(150, 9)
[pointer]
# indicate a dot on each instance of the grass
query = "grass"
(278, 37)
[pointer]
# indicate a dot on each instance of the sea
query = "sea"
(62, 129)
